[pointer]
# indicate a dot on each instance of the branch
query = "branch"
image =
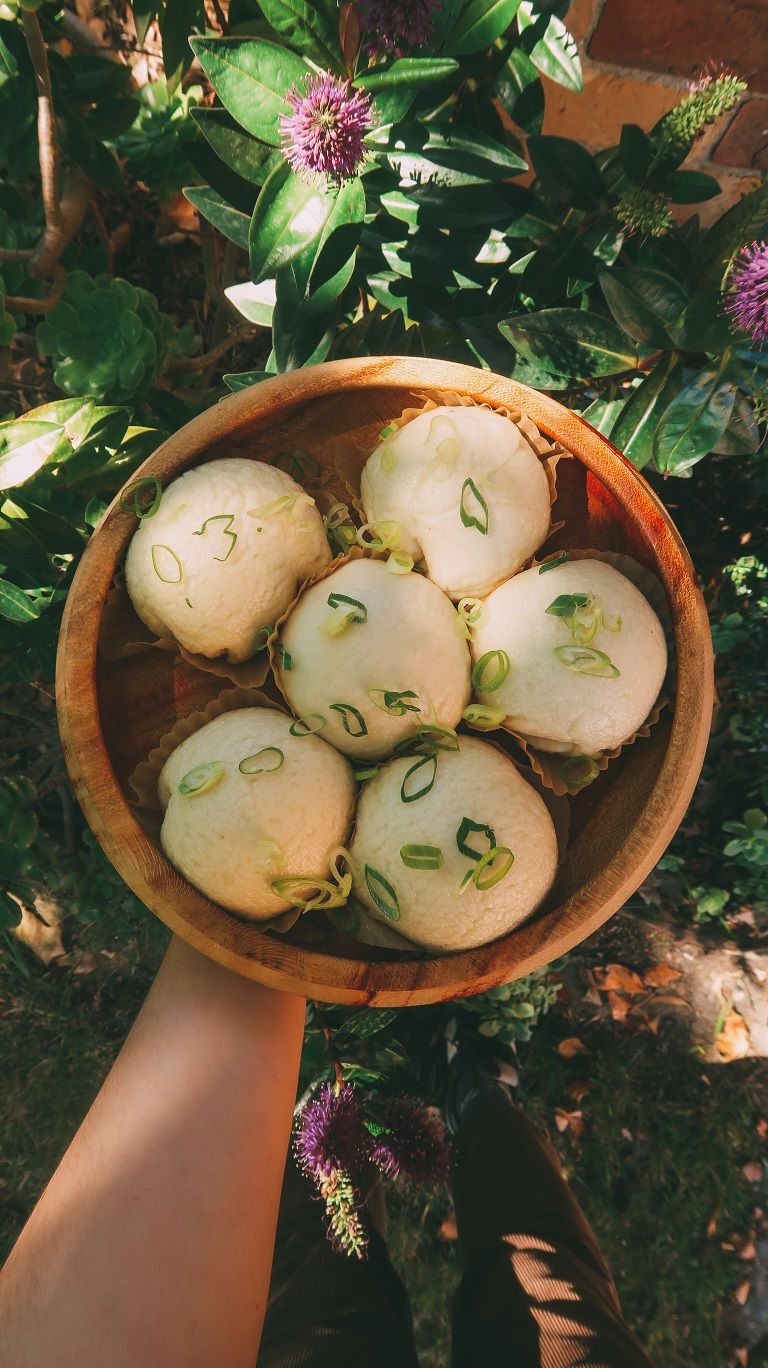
(197, 363)
(46, 119)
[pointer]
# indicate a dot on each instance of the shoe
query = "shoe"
(472, 1072)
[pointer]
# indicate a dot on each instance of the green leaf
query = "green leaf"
(479, 24)
(10, 912)
(554, 52)
(230, 221)
(742, 435)
(567, 171)
(144, 11)
(410, 71)
(521, 92)
(746, 221)
(245, 155)
(24, 448)
(443, 154)
(570, 342)
(635, 153)
(254, 302)
(645, 303)
(333, 258)
(305, 27)
(689, 187)
(695, 420)
(602, 414)
(245, 379)
(290, 213)
(251, 78)
(15, 605)
(178, 18)
(634, 429)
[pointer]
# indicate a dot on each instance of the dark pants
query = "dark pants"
(536, 1291)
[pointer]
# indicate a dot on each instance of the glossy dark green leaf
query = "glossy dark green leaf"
(601, 414)
(15, 605)
(444, 154)
(704, 326)
(694, 421)
(89, 153)
(567, 171)
(689, 187)
(521, 92)
(215, 174)
(742, 436)
(304, 26)
(746, 221)
(298, 339)
(254, 302)
(20, 548)
(635, 153)
(241, 153)
(290, 213)
(645, 303)
(144, 11)
(251, 78)
(435, 206)
(333, 256)
(634, 429)
(112, 117)
(25, 446)
(245, 379)
(480, 23)
(414, 71)
(178, 18)
(570, 342)
(230, 221)
(10, 912)
(550, 46)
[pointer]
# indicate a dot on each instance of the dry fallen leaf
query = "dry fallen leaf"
(620, 979)
(448, 1229)
(762, 1127)
(659, 975)
(620, 1006)
(569, 1120)
(742, 1292)
(733, 1040)
(748, 1251)
(712, 1226)
(753, 1171)
(627, 1134)
(39, 930)
(571, 1046)
(577, 1090)
(652, 1023)
(742, 1357)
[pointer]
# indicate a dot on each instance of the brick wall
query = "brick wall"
(638, 57)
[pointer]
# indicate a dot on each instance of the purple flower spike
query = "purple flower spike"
(329, 1132)
(747, 297)
(397, 26)
(324, 134)
(412, 1145)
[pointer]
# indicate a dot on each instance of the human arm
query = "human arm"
(152, 1243)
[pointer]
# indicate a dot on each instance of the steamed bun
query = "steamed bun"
(478, 798)
(239, 831)
(453, 458)
(205, 571)
(568, 690)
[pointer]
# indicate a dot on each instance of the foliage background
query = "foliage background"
(156, 251)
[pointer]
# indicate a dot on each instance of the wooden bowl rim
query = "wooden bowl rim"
(299, 968)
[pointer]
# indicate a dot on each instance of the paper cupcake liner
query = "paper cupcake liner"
(548, 765)
(144, 779)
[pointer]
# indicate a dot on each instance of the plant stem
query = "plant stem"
(46, 120)
(330, 1042)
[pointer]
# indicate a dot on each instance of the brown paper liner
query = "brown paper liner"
(144, 779)
(351, 457)
(548, 765)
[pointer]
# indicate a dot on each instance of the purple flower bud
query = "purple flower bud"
(329, 1132)
(397, 26)
(412, 1144)
(747, 297)
(324, 134)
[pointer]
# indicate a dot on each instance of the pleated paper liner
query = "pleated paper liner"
(553, 769)
(144, 780)
(351, 457)
(122, 631)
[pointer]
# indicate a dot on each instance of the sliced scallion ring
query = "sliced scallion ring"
(490, 671)
(579, 770)
(552, 564)
(388, 460)
(482, 717)
(365, 772)
(359, 613)
(473, 508)
(382, 536)
(388, 431)
(265, 761)
(285, 657)
(442, 738)
(392, 701)
(307, 726)
(467, 826)
(471, 610)
(421, 856)
(382, 893)
(335, 624)
(167, 579)
(142, 497)
(262, 637)
(296, 890)
(201, 779)
(349, 715)
(587, 660)
(611, 622)
(418, 788)
(484, 875)
(227, 518)
(399, 563)
(565, 605)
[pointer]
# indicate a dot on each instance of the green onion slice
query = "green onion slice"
(611, 622)
(189, 605)
(228, 518)
(565, 605)
(296, 889)
(410, 793)
(382, 536)
(335, 624)
(399, 563)
(348, 715)
(421, 856)
(265, 761)
(337, 514)
(365, 772)
(201, 779)
(484, 875)
(471, 610)
(285, 657)
(551, 564)
(382, 893)
(267, 854)
(392, 701)
(587, 660)
(441, 738)
(307, 726)
(490, 671)
(167, 579)
(473, 509)
(285, 503)
(388, 460)
(443, 463)
(387, 431)
(262, 636)
(142, 497)
(482, 717)
(579, 770)
(360, 613)
(337, 858)
(466, 828)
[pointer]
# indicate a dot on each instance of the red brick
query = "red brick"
(745, 141)
(679, 36)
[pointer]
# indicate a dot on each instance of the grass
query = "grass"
(659, 1160)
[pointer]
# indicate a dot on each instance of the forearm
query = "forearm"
(152, 1244)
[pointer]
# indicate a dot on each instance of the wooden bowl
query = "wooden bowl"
(112, 714)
